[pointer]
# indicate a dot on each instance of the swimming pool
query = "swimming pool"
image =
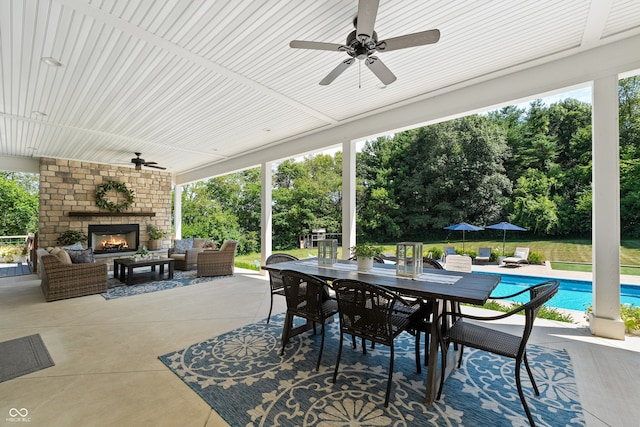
(572, 295)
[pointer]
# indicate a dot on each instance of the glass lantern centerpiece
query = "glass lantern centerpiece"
(409, 259)
(327, 251)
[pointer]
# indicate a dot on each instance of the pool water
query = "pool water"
(572, 295)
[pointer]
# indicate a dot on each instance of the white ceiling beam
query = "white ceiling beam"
(596, 20)
(581, 68)
(19, 164)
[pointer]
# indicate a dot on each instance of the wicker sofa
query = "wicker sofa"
(62, 281)
(218, 263)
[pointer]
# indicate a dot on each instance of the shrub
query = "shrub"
(70, 237)
(535, 258)
(10, 252)
(436, 253)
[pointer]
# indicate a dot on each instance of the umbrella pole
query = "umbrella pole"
(463, 231)
(504, 238)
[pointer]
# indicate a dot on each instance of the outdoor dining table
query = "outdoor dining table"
(439, 286)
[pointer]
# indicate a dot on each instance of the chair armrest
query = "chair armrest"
(191, 255)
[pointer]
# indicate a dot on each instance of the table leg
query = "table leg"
(129, 275)
(432, 368)
(121, 276)
(161, 270)
(115, 268)
(170, 269)
(437, 330)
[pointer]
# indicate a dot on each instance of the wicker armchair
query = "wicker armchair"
(217, 263)
(62, 281)
(187, 260)
(494, 341)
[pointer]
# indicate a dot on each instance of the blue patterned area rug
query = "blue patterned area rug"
(241, 375)
(116, 289)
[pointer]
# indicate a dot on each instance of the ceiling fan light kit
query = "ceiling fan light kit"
(363, 42)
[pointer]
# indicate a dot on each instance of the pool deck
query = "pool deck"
(546, 271)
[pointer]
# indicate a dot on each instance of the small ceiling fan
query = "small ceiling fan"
(363, 42)
(141, 162)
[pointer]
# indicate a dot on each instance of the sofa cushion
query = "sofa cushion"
(181, 246)
(82, 256)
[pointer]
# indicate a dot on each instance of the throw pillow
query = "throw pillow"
(81, 257)
(62, 255)
(181, 246)
(199, 243)
(75, 247)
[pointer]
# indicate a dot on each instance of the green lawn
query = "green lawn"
(570, 254)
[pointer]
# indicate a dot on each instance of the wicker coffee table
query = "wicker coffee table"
(123, 269)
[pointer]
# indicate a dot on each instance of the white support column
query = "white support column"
(348, 197)
(605, 319)
(266, 225)
(177, 211)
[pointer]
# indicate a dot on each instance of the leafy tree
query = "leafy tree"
(434, 175)
(306, 195)
(534, 206)
(203, 215)
(18, 206)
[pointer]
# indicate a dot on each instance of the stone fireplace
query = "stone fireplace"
(112, 238)
(68, 201)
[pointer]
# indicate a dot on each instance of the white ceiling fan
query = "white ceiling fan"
(363, 42)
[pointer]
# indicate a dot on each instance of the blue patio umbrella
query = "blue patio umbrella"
(505, 226)
(464, 226)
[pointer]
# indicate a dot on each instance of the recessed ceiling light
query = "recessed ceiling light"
(39, 113)
(51, 61)
(32, 148)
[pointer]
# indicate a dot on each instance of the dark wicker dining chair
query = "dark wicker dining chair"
(372, 313)
(275, 277)
(307, 297)
(498, 342)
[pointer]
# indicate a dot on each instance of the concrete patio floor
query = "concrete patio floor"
(107, 372)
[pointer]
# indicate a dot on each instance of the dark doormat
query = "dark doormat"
(22, 356)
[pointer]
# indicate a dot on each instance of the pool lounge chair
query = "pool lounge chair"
(521, 256)
(484, 255)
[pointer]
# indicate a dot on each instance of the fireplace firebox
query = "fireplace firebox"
(110, 238)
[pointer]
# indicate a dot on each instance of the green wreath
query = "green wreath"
(119, 187)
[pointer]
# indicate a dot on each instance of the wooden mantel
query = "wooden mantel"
(86, 213)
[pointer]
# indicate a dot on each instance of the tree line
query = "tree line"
(530, 166)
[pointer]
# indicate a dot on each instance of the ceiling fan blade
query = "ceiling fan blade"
(367, 11)
(154, 166)
(337, 71)
(409, 40)
(380, 70)
(301, 44)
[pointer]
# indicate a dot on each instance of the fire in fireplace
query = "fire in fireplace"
(108, 238)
